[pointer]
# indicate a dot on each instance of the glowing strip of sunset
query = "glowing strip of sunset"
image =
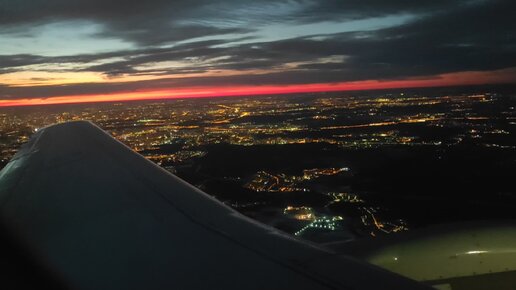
(462, 78)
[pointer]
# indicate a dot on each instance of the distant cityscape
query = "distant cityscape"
(326, 167)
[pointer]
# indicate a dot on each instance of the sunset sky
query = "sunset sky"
(61, 51)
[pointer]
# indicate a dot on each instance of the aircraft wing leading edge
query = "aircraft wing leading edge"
(104, 217)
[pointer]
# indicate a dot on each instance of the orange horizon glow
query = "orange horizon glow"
(451, 79)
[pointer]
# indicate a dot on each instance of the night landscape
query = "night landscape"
(380, 131)
(372, 163)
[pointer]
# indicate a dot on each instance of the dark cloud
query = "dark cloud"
(479, 36)
(359, 9)
(17, 60)
(150, 22)
(155, 22)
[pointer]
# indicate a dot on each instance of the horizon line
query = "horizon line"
(239, 91)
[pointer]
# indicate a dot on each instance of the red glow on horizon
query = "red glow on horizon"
(462, 78)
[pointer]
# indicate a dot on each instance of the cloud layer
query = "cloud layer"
(174, 44)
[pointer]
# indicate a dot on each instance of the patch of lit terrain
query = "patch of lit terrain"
(281, 182)
(303, 213)
(344, 197)
(370, 218)
(323, 223)
(178, 157)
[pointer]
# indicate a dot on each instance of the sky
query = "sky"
(66, 51)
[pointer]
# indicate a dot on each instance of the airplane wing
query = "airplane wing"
(103, 217)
